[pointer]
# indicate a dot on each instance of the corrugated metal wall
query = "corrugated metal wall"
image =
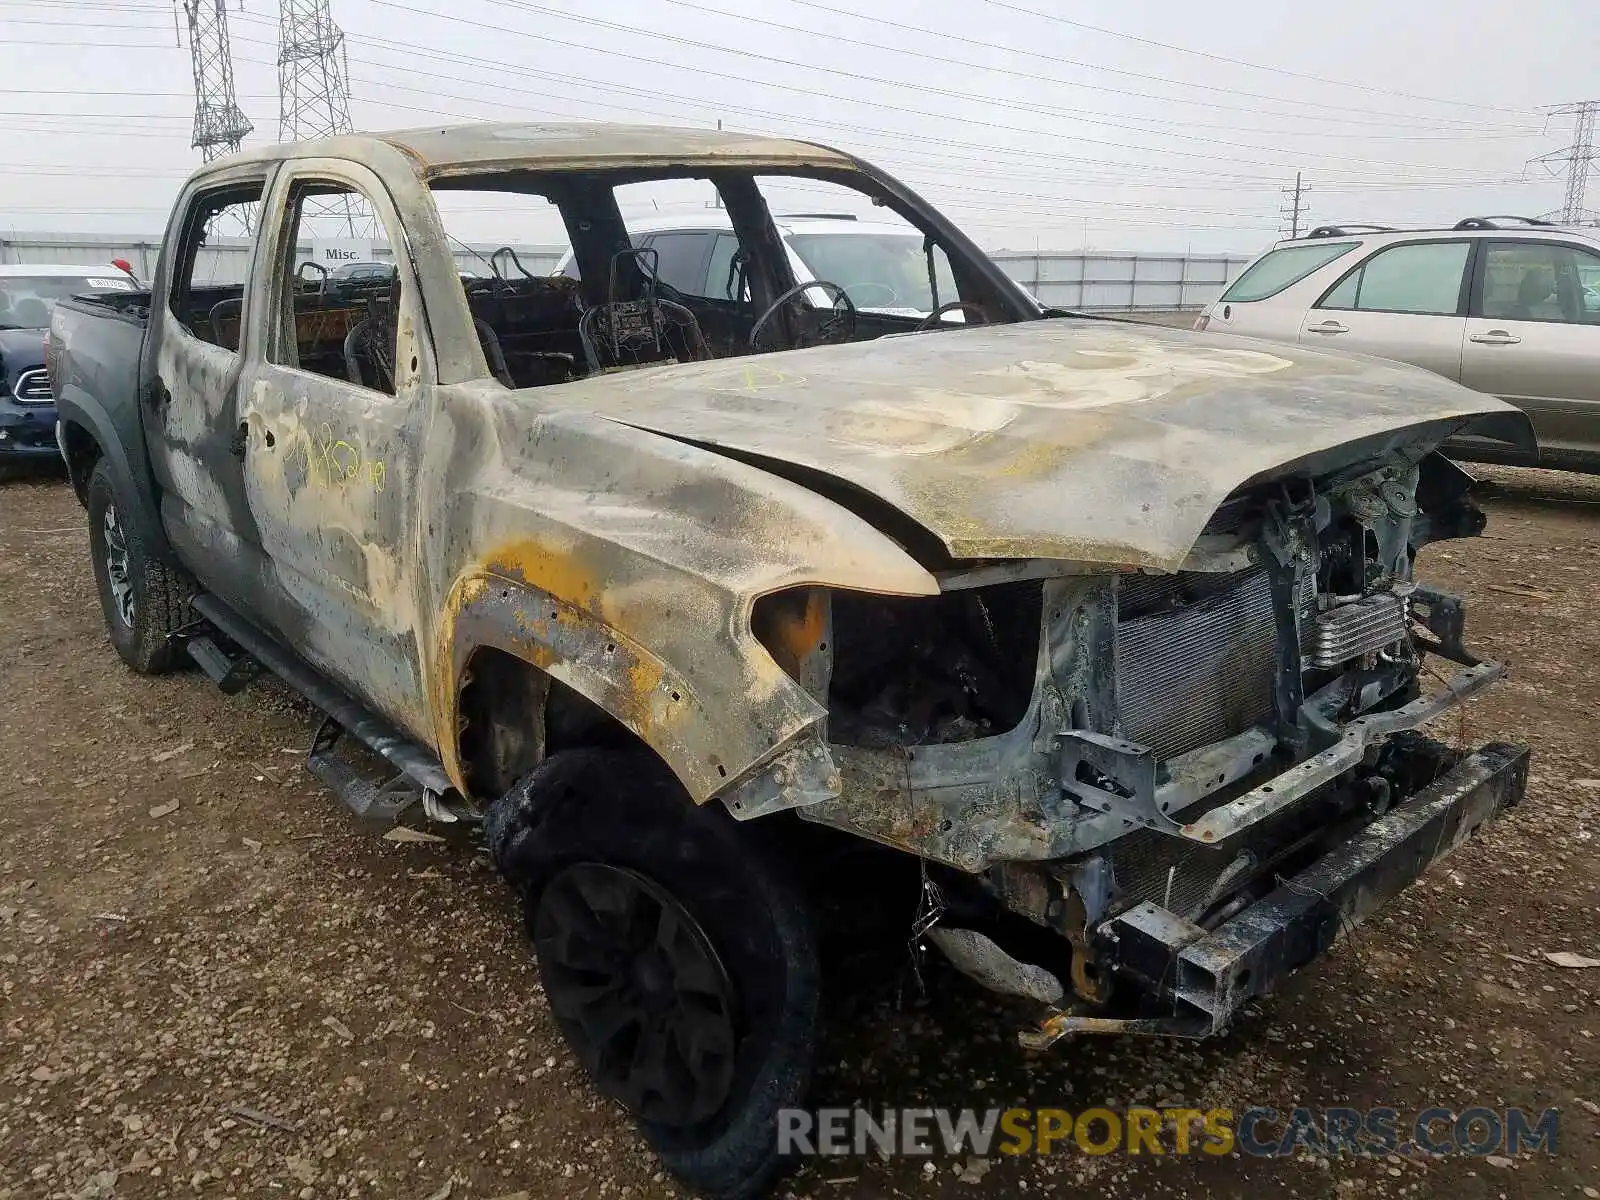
(1114, 282)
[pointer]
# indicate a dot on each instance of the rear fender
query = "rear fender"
(84, 417)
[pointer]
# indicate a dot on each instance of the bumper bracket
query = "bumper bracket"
(1201, 979)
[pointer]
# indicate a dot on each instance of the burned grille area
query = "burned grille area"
(919, 670)
(1196, 657)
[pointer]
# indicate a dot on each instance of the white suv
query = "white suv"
(1506, 305)
(883, 266)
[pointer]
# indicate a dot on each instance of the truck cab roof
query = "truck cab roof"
(482, 147)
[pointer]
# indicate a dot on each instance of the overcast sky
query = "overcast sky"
(1053, 123)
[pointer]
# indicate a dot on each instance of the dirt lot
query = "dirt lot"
(214, 985)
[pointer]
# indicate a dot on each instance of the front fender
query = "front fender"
(710, 729)
(626, 565)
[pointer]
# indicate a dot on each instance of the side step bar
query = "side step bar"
(377, 803)
(228, 673)
(420, 774)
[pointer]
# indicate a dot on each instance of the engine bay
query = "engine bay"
(1038, 718)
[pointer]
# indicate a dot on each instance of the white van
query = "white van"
(881, 265)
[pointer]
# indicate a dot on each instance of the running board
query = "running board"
(418, 767)
(377, 803)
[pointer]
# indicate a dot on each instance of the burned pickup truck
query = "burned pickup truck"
(1110, 633)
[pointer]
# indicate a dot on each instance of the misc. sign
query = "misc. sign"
(334, 253)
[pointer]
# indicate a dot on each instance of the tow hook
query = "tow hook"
(1058, 1025)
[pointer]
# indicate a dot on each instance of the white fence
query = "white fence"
(1095, 280)
(1121, 282)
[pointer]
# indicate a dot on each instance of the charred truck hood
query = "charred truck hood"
(1170, 648)
(1055, 439)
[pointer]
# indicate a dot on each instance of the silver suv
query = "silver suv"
(1506, 305)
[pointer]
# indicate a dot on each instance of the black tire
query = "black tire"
(622, 808)
(157, 600)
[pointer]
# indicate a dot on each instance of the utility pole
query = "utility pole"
(314, 89)
(1580, 159)
(1295, 206)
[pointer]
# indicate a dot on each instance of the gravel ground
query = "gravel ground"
(212, 984)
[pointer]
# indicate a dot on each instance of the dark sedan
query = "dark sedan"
(27, 404)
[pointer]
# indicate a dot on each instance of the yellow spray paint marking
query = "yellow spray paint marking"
(764, 379)
(333, 462)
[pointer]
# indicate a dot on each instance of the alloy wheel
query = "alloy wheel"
(638, 991)
(117, 574)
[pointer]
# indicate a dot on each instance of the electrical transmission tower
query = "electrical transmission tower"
(1580, 159)
(1295, 208)
(219, 124)
(314, 92)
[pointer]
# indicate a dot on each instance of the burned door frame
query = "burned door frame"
(190, 402)
(332, 471)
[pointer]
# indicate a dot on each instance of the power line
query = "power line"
(811, 91)
(1388, 118)
(946, 93)
(80, 44)
(1433, 173)
(1239, 62)
(790, 119)
(1388, 121)
(55, 23)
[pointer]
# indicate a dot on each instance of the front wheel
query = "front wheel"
(143, 599)
(678, 959)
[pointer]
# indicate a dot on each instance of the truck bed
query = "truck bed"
(93, 355)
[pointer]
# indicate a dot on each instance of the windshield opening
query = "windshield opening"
(697, 262)
(885, 271)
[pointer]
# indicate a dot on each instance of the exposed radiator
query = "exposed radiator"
(1196, 658)
(1169, 871)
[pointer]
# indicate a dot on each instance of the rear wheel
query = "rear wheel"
(143, 599)
(677, 957)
